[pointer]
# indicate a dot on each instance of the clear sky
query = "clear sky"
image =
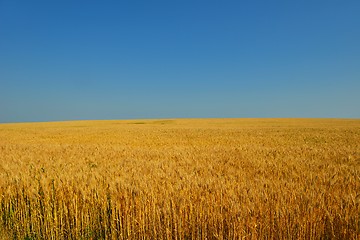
(69, 60)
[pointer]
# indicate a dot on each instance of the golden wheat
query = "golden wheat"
(181, 179)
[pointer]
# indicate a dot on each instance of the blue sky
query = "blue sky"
(70, 60)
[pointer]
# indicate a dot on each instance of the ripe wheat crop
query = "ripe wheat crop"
(181, 179)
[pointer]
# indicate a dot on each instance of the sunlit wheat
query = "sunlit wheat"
(181, 179)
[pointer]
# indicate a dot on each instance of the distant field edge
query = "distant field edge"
(154, 120)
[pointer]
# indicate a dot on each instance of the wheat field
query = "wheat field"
(181, 179)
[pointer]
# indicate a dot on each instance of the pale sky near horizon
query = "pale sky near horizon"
(71, 60)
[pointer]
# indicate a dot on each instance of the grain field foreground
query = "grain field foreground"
(181, 179)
